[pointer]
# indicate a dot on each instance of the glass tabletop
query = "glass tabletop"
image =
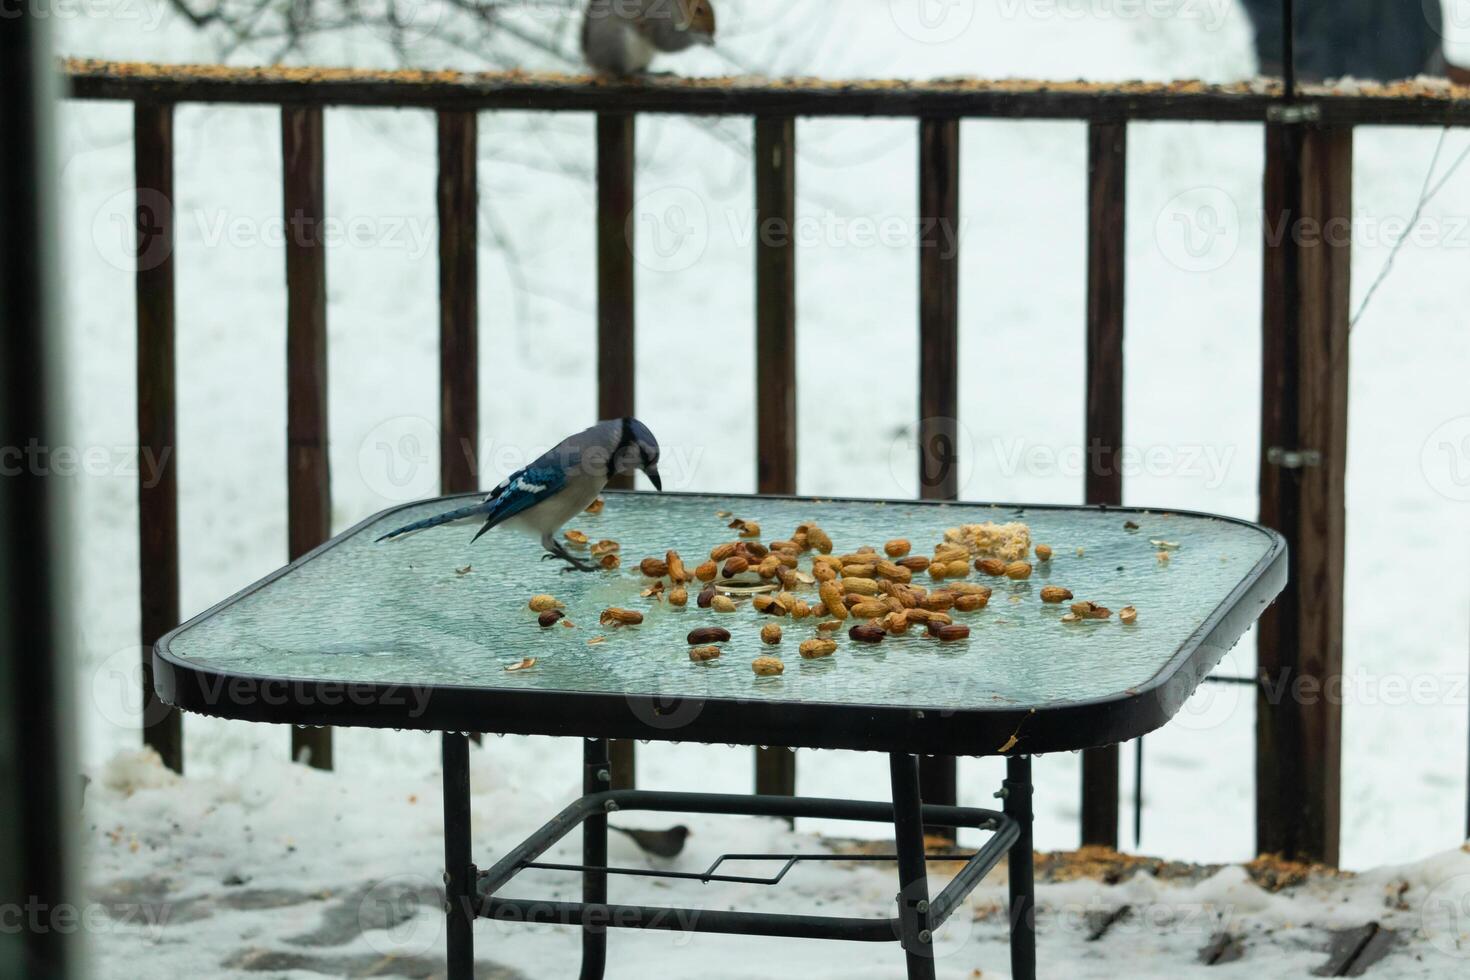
(435, 609)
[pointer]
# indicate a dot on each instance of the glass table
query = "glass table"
(419, 633)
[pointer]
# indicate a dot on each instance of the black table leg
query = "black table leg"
(459, 872)
(596, 778)
(913, 880)
(1017, 796)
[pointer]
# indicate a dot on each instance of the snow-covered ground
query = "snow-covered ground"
(1193, 354)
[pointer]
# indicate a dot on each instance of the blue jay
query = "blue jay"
(559, 485)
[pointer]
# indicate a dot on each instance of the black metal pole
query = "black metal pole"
(36, 771)
(459, 871)
(913, 876)
(1138, 793)
(596, 778)
(1016, 792)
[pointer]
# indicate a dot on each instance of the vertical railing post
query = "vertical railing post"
(1107, 179)
(939, 341)
(458, 202)
(1308, 208)
(457, 199)
(308, 482)
(158, 480)
(616, 165)
(775, 356)
(38, 715)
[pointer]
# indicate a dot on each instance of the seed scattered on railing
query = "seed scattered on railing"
(1128, 615)
(704, 654)
(541, 603)
(722, 604)
(525, 664)
(770, 634)
(950, 632)
(610, 562)
(1018, 570)
(679, 597)
(706, 597)
(767, 666)
(993, 567)
(866, 633)
(707, 571)
(550, 618)
(1055, 594)
(1043, 552)
(708, 634)
(897, 548)
(971, 603)
(596, 506)
(576, 539)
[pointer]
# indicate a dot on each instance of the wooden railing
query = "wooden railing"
(1304, 405)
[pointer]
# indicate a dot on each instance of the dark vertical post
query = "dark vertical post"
(308, 483)
(158, 472)
(775, 356)
(36, 710)
(939, 343)
(1308, 197)
(459, 868)
(1016, 794)
(595, 779)
(458, 200)
(913, 878)
(1107, 179)
(459, 378)
(616, 164)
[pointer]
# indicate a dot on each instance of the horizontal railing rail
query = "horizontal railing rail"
(1308, 155)
(1407, 103)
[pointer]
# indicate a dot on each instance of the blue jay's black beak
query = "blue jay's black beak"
(653, 478)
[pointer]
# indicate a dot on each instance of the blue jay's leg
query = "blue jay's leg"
(554, 549)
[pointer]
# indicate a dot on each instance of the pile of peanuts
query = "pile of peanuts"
(877, 590)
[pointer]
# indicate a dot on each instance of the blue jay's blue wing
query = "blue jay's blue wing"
(523, 491)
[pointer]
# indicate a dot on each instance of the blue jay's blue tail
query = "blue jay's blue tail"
(454, 515)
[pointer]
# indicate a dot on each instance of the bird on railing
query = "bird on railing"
(621, 37)
(559, 485)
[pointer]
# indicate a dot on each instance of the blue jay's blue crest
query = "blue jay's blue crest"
(559, 484)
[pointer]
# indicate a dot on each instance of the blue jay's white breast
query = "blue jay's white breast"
(550, 515)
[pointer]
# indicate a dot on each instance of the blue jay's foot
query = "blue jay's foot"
(574, 564)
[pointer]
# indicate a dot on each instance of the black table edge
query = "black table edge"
(988, 730)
